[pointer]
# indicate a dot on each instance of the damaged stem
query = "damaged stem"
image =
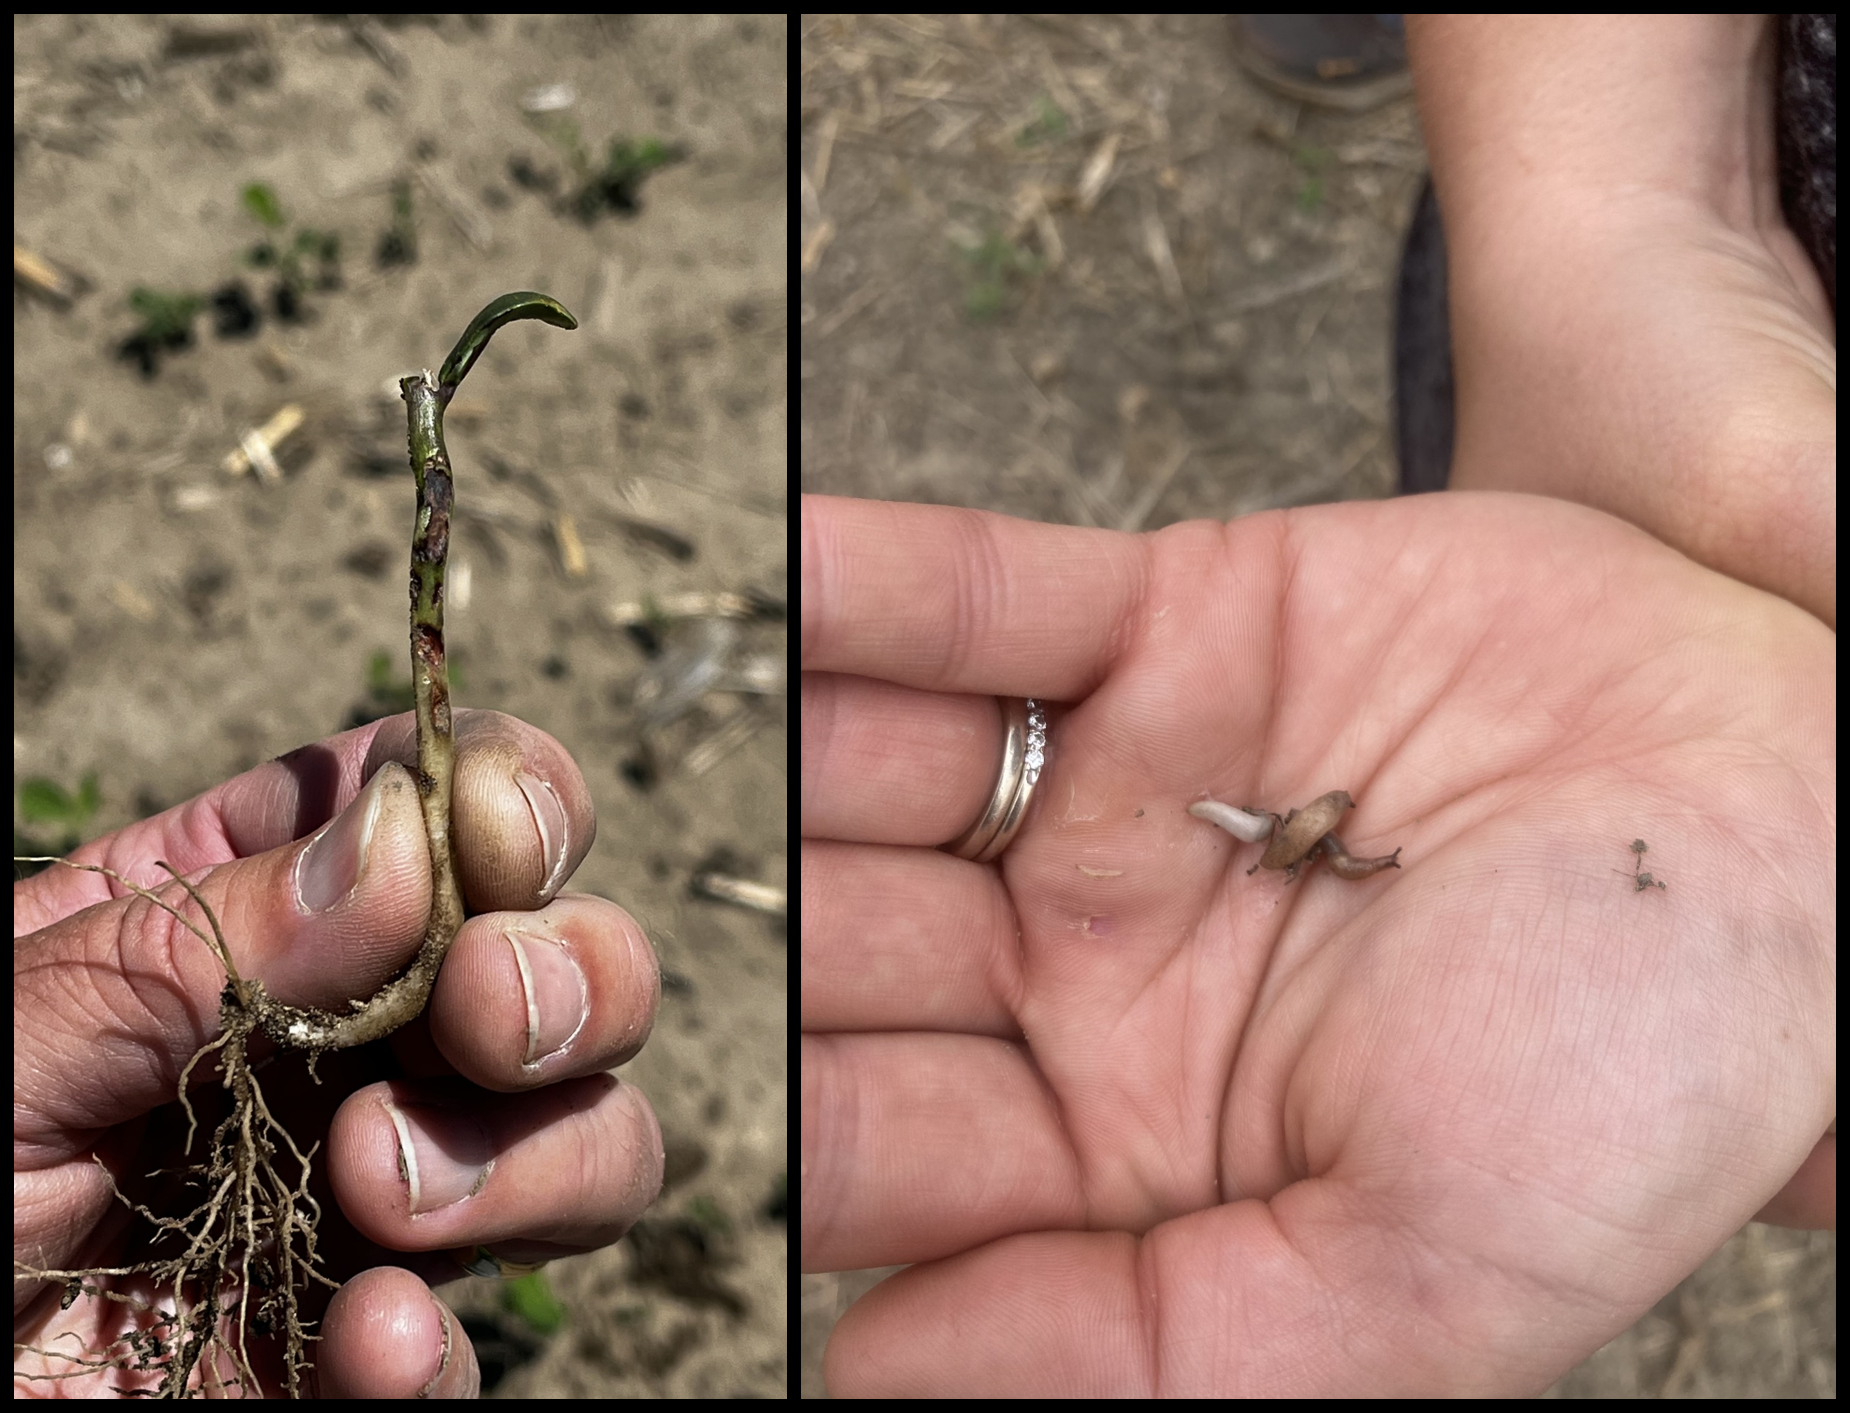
(425, 400)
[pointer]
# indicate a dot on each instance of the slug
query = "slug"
(1296, 837)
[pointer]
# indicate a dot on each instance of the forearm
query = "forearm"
(1633, 326)
(1521, 109)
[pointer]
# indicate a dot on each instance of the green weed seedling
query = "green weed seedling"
(1315, 162)
(617, 186)
(1048, 125)
(47, 804)
(709, 1216)
(993, 269)
(290, 258)
(531, 1299)
(166, 325)
(309, 260)
(613, 185)
(399, 244)
(388, 693)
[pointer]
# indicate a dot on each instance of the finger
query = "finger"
(904, 939)
(890, 765)
(386, 1336)
(1094, 1337)
(1809, 1198)
(1239, 1298)
(521, 810)
(962, 600)
(422, 1165)
(890, 1170)
(520, 807)
(320, 921)
(113, 1001)
(526, 999)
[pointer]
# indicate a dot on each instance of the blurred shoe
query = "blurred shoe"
(1350, 62)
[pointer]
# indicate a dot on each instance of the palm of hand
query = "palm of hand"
(1453, 1090)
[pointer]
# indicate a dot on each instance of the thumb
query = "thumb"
(112, 1001)
(337, 915)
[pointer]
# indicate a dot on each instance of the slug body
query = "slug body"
(1300, 831)
(1296, 837)
(1343, 865)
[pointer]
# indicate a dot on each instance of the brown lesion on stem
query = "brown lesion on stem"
(432, 544)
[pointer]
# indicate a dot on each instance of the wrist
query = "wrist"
(1521, 112)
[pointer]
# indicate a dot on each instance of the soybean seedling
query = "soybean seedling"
(247, 1253)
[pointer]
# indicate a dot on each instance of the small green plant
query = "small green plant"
(1314, 161)
(530, 1297)
(709, 1216)
(44, 801)
(993, 269)
(1047, 125)
(399, 245)
(248, 1254)
(388, 693)
(310, 260)
(261, 202)
(166, 325)
(290, 258)
(56, 818)
(616, 183)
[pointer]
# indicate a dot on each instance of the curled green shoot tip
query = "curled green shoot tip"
(522, 304)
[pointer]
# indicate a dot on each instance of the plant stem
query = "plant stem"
(425, 400)
(430, 672)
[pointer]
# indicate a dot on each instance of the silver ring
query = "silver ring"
(1024, 752)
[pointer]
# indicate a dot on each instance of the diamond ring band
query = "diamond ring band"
(1024, 753)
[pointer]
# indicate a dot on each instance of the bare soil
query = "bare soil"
(1081, 269)
(176, 624)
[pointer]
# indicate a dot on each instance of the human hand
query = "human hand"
(112, 999)
(1151, 1126)
(1634, 325)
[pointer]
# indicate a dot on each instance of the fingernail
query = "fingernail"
(443, 1155)
(328, 869)
(443, 1358)
(549, 819)
(557, 998)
